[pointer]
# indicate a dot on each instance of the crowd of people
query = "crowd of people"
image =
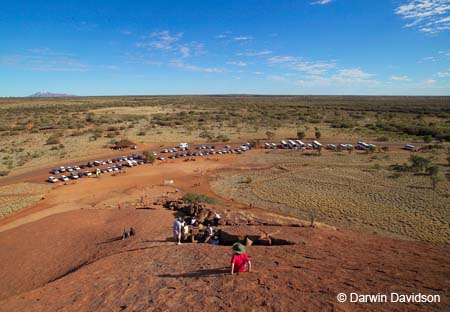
(188, 229)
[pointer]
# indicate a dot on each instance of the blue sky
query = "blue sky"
(392, 47)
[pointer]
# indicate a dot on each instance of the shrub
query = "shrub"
(198, 198)
(53, 140)
(318, 134)
(4, 173)
(301, 135)
(419, 163)
(270, 135)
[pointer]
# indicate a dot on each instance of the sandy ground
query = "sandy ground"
(62, 254)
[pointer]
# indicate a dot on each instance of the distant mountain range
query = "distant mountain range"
(49, 94)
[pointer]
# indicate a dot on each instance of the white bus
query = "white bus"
(300, 143)
(316, 144)
(410, 147)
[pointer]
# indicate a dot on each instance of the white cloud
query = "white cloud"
(254, 53)
(444, 74)
(189, 67)
(353, 74)
(277, 78)
(429, 16)
(400, 78)
(243, 38)
(162, 40)
(237, 63)
(46, 60)
(299, 64)
(167, 42)
(185, 51)
(322, 2)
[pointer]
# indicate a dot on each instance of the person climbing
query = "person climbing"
(208, 233)
(132, 231)
(216, 219)
(186, 231)
(177, 230)
(239, 260)
(125, 234)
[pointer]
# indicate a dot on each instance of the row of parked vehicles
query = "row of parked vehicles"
(203, 150)
(85, 170)
(298, 144)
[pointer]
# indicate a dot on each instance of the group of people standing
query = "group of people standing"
(240, 262)
(184, 228)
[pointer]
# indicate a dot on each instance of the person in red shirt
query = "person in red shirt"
(240, 261)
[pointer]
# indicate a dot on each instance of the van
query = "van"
(316, 144)
(410, 147)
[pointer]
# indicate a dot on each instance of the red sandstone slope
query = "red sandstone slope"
(149, 273)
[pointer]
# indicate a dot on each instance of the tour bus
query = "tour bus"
(300, 143)
(362, 145)
(331, 147)
(292, 144)
(410, 147)
(316, 144)
(284, 144)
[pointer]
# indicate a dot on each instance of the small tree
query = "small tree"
(419, 163)
(270, 135)
(301, 135)
(350, 149)
(428, 139)
(434, 171)
(151, 158)
(318, 134)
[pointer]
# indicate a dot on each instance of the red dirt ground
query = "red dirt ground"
(60, 255)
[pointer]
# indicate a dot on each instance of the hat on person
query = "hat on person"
(238, 248)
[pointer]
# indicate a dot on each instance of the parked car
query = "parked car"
(160, 158)
(410, 147)
(64, 178)
(69, 169)
(74, 176)
(81, 174)
(76, 168)
(52, 179)
(88, 173)
(54, 171)
(62, 169)
(109, 169)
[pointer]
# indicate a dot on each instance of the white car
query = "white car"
(76, 168)
(115, 168)
(88, 173)
(62, 169)
(52, 179)
(64, 178)
(74, 176)
(109, 169)
(69, 169)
